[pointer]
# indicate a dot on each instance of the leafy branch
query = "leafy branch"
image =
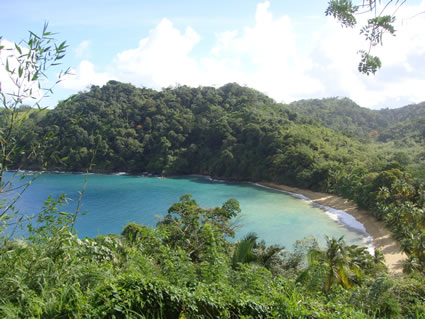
(382, 22)
(26, 64)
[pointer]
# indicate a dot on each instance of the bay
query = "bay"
(111, 202)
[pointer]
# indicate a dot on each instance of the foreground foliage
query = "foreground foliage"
(174, 272)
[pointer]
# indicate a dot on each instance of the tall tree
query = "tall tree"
(336, 260)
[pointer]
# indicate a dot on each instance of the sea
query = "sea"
(108, 202)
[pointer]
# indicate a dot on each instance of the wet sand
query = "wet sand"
(382, 238)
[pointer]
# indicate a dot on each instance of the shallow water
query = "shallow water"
(113, 201)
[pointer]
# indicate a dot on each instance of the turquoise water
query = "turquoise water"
(112, 201)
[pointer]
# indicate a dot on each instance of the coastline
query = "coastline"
(341, 209)
(382, 238)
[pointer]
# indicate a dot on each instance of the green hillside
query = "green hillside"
(345, 116)
(341, 114)
(407, 124)
(232, 132)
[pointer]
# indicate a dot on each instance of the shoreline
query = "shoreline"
(381, 236)
(341, 217)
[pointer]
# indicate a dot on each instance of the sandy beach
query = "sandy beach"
(382, 238)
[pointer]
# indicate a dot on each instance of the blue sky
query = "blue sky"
(286, 49)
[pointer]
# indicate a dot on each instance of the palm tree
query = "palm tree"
(268, 256)
(411, 264)
(243, 251)
(336, 258)
(378, 257)
(419, 249)
(249, 251)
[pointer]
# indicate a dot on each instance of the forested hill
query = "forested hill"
(343, 115)
(403, 113)
(407, 124)
(232, 132)
(340, 114)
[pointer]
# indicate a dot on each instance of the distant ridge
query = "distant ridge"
(344, 115)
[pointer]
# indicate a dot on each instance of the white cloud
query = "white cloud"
(224, 40)
(272, 57)
(82, 49)
(84, 76)
(161, 59)
(267, 57)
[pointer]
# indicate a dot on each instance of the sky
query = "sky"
(286, 49)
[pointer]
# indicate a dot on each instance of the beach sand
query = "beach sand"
(382, 238)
